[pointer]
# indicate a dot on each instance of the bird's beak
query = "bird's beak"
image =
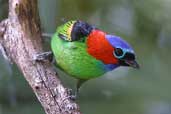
(132, 63)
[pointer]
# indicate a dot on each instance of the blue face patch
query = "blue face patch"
(117, 42)
(110, 67)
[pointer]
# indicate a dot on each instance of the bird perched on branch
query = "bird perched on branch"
(85, 52)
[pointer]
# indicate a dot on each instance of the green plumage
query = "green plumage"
(73, 58)
(69, 46)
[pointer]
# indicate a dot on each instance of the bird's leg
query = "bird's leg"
(70, 92)
(45, 56)
(79, 83)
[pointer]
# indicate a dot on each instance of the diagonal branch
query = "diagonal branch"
(21, 40)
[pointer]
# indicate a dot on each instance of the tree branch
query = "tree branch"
(20, 38)
(2, 29)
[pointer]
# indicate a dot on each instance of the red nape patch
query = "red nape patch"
(100, 48)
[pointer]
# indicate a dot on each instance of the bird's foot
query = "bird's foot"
(69, 107)
(71, 95)
(42, 57)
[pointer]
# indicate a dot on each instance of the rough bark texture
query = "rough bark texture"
(20, 40)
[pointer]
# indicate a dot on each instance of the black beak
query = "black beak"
(132, 63)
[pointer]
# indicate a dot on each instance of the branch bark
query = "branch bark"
(20, 40)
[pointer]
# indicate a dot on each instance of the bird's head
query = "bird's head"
(110, 49)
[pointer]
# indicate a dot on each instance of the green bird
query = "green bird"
(85, 52)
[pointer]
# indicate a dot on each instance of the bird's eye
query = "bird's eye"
(118, 53)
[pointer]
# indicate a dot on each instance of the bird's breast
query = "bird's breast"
(73, 58)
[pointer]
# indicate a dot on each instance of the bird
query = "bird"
(85, 52)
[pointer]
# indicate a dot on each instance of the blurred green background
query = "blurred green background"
(145, 24)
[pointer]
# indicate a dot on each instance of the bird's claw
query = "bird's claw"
(71, 107)
(45, 56)
(71, 95)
